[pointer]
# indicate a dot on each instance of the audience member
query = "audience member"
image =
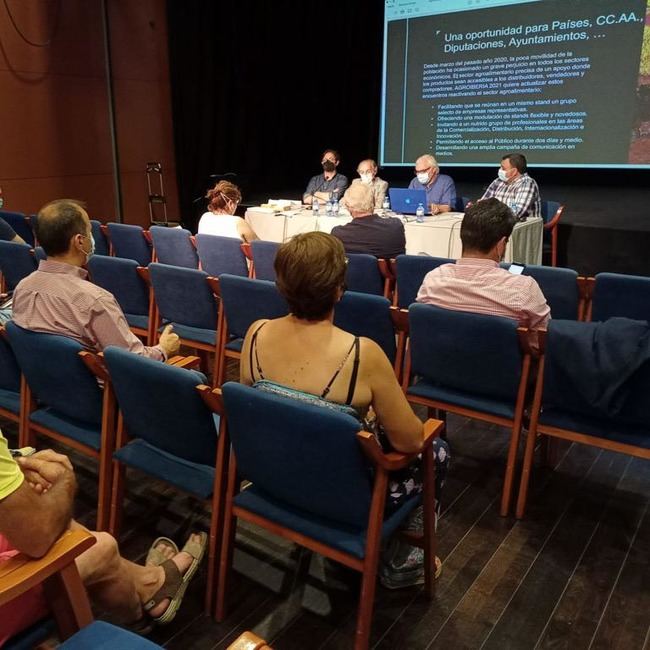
(476, 282)
(367, 171)
(7, 233)
(516, 188)
(58, 299)
(220, 219)
(368, 232)
(440, 189)
(36, 501)
(328, 185)
(304, 356)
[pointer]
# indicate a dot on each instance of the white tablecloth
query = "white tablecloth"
(438, 236)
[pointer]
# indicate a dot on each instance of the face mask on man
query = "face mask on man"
(328, 165)
(366, 178)
(423, 177)
(503, 175)
(91, 252)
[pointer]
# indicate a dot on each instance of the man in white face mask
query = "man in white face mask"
(440, 189)
(367, 170)
(58, 299)
(515, 187)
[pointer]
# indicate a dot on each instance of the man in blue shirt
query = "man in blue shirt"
(329, 184)
(440, 189)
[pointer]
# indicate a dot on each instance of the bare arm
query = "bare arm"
(32, 519)
(402, 426)
(245, 231)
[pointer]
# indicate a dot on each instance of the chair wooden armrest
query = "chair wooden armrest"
(147, 235)
(246, 249)
(395, 460)
(400, 318)
(214, 285)
(180, 361)
(550, 225)
(3, 333)
(526, 341)
(193, 241)
(212, 398)
(20, 573)
(95, 363)
(143, 272)
(249, 641)
(586, 288)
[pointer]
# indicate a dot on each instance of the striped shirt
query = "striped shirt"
(521, 195)
(482, 286)
(58, 299)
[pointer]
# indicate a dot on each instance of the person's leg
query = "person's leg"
(121, 586)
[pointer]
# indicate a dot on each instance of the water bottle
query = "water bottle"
(335, 207)
(419, 213)
(315, 206)
(386, 204)
(328, 208)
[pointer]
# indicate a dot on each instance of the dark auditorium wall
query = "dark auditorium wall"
(261, 88)
(54, 119)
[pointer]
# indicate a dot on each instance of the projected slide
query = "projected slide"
(565, 81)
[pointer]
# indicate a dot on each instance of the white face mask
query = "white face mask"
(503, 174)
(366, 178)
(423, 177)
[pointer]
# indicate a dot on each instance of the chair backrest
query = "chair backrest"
(16, 262)
(410, 272)
(461, 203)
(366, 315)
(363, 274)
(616, 294)
(40, 254)
(20, 223)
(183, 296)
(549, 208)
(160, 404)
(263, 258)
(120, 277)
(246, 300)
(9, 370)
(464, 351)
(101, 243)
(129, 242)
(221, 255)
(560, 288)
(303, 455)
(56, 373)
(174, 246)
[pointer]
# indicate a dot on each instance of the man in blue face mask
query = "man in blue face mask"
(440, 189)
(515, 187)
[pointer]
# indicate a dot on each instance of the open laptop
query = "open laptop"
(405, 201)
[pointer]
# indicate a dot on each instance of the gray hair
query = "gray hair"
(359, 197)
(429, 159)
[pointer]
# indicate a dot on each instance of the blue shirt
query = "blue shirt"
(319, 184)
(442, 191)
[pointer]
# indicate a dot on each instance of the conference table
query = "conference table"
(438, 235)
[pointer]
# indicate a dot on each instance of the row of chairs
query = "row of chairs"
(308, 466)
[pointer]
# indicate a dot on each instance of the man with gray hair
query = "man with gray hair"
(368, 232)
(440, 189)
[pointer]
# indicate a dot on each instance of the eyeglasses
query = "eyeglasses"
(421, 171)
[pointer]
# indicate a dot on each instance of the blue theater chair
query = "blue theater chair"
(560, 412)
(17, 261)
(174, 246)
(168, 429)
(474, 365)
(363, 274)
(221, 255)
(130, 242)
(311, 484)
(102, 246)
(617, 294)
(9, 381)
(121, 278)
(263, 258)
(21, 224)
(63, 400)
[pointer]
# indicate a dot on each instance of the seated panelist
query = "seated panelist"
(367, 170)
(328, 185)
(440, 189)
